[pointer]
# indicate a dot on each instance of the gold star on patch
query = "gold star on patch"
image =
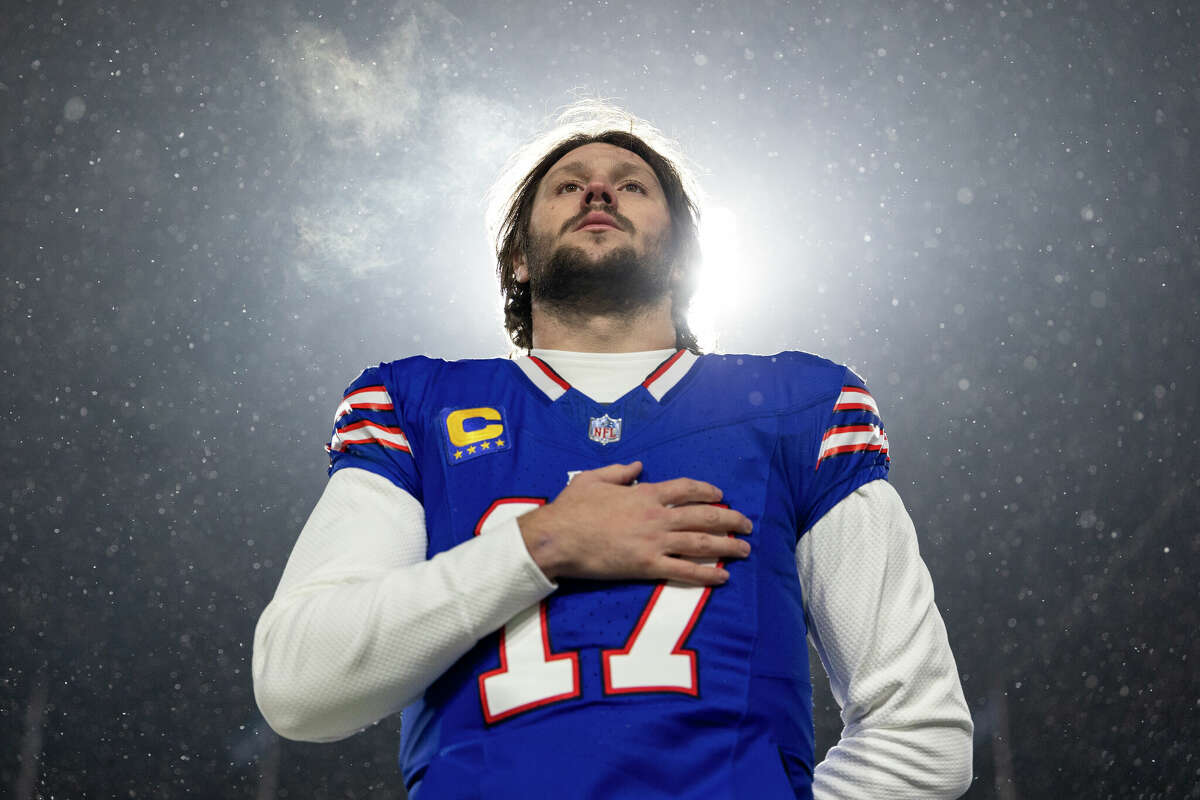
(458, 453)
(471, 449)
(499, 443)
(485, 445)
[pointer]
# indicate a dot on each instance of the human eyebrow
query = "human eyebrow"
(574, 166)
(621, 169)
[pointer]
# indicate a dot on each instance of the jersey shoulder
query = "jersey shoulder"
(422, 381)
(834, 437)
(383, 421)
(784, 382)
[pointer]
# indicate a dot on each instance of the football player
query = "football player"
(592, 570)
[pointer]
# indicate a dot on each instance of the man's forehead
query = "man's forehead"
(604, 156)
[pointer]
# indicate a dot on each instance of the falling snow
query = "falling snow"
(217, 214)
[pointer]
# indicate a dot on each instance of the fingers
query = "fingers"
(684, 571)
(680, 491)
(706, 545)
(659, 531)
(713, 519)
(614, 473)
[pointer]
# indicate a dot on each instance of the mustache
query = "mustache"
(622, 221)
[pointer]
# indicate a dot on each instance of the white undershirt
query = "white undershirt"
(604, 377)
(362, 623)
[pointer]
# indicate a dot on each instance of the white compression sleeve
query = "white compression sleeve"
(361, 623)
(869, 599)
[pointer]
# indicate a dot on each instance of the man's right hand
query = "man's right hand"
(601, 527)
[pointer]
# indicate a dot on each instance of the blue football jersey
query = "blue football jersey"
(621, 689)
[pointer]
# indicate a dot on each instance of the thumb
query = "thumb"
(620, 474)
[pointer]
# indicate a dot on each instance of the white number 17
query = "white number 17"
(652, 660)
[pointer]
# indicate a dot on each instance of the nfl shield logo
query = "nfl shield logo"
(604, 430)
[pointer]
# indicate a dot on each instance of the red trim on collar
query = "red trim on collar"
(663, 367)
(550, 373)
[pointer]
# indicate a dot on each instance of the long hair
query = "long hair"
(587, 122)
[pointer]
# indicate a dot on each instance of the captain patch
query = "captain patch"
(473, 432)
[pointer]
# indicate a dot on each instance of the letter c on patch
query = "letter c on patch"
(460, 437)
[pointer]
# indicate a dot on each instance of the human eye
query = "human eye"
(634, 186)
(569, 186)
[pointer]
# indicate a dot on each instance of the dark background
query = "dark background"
(216, 213)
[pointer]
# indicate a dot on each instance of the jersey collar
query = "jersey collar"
(661, 379)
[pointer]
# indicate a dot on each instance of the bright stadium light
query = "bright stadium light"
(720, 291)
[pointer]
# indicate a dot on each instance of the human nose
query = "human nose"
(599, 191)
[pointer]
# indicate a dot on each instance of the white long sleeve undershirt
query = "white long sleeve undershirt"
(362, 623)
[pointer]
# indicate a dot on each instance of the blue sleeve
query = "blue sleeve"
(368, 432)
(852, 449)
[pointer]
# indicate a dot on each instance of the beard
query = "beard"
(568, 282)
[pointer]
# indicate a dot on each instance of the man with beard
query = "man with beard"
(590, 571)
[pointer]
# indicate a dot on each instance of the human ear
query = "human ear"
(520, 268)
